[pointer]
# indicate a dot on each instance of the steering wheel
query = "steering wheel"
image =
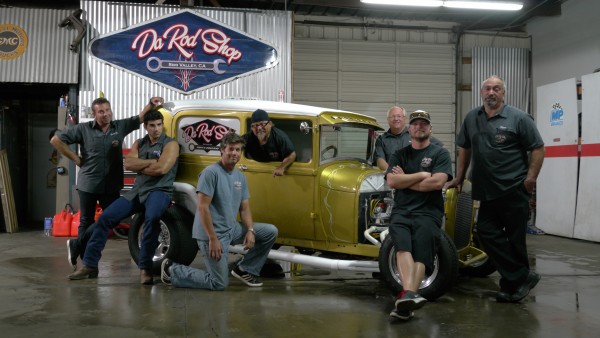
(328, 148)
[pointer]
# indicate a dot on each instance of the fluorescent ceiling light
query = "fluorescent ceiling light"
(420, 3)
(494, 5)
(489, 5)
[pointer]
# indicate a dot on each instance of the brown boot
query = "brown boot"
(146, 277)
(84, 272)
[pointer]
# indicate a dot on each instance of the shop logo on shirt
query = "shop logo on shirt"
(426, 162)
(557, 115)
(185, 51)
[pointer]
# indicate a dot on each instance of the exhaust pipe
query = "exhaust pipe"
(316, 262)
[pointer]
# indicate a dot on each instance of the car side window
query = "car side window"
(302, 142)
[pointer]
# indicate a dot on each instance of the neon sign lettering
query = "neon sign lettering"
(214, 41)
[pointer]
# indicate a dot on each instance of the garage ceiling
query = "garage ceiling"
(465, 19)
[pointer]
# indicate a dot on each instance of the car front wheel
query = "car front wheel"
(174, 241)
(433, 286)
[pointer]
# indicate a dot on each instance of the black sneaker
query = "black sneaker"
(72, 253)
(246, 277)
(409, 301)
(165, 274)
(404, 315)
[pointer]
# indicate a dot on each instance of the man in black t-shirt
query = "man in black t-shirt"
(418, 173)
(266, 143)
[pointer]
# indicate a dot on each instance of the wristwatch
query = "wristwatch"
(251, 230)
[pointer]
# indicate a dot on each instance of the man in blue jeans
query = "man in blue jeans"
(222, 194)
(100, 178)
(154, 158)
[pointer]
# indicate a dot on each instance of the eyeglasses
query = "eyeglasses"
(259, 124)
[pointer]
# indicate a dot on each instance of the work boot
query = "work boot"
(146, 277)
(83, 273)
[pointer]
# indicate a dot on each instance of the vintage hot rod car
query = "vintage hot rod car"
(332, 206)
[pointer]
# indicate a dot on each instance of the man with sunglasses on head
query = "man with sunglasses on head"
(266, 143)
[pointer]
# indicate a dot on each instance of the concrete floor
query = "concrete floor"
(37, 300)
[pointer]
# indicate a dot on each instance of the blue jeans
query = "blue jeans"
(87, 210)
(216, 276)
(155, 205)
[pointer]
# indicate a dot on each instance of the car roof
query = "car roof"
(250, 105)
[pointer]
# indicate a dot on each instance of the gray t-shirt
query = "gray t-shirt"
(227, 189)
(102, 153)
(499, 147)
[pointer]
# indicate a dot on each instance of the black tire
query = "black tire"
(433, 286)
(175, 239)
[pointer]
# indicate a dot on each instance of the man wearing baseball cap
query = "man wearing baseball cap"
(266, 143)
(418, 173)
(396, 137)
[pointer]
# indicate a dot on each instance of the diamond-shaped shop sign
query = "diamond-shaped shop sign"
(184, 51)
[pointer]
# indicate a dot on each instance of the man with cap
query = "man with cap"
(266, 143)
(417, 173)
(395, 138)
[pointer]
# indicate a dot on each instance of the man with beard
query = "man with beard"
(396, 137)
(222, 195)
(497, 138)
(417, 173)
(266, 143)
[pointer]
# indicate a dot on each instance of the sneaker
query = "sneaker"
(246, 277)
(409, 301)
(402, 315)
(165, 274)
(72, 253)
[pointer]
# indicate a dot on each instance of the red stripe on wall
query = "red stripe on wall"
(562, 151)
(592, 149)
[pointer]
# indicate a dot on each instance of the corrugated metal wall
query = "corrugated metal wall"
(129, 93)
(47, 58)
(512, 65)
(369, 70)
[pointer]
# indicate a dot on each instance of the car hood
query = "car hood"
(345, 175)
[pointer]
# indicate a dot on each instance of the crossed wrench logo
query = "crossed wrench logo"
(184, 65)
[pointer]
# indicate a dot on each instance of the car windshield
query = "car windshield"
(346, 141)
